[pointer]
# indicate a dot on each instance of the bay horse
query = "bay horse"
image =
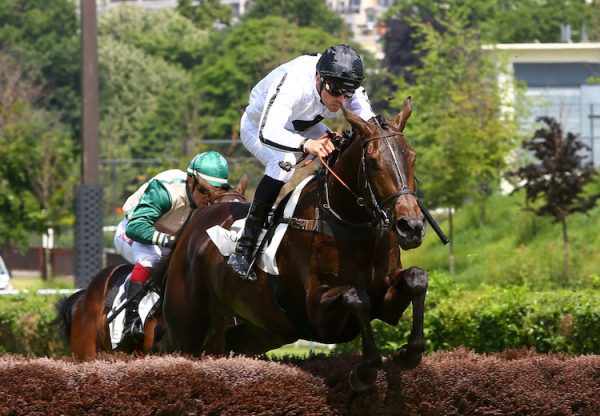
(83, 315)
(339, 262)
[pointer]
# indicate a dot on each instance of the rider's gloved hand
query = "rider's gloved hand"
(321, 147)
(169, 241)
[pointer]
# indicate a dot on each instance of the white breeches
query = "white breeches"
(271, 157)
(147, 255)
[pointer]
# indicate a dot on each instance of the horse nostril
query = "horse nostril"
(403, 226)
(406, 225)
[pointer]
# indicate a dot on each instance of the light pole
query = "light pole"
(88, 201)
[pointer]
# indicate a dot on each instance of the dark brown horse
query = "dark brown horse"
(339, 262)
(83, 315)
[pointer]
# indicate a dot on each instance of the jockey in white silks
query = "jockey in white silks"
(283, 120)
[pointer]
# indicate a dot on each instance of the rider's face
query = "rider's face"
(332, 101)
(199, 195)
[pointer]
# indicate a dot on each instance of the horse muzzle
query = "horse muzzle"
(410, 232)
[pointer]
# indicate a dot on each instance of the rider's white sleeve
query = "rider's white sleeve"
(360, 105)
(279, 104)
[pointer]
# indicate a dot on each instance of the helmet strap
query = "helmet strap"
(321, 85)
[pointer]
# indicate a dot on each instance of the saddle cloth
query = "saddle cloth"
(146, 304)
(225, 239)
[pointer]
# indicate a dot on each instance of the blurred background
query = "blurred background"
(174, 78)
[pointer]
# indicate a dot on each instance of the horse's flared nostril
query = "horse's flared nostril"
(407, 226)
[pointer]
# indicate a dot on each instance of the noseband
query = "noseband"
(229, 194)
(376, 209)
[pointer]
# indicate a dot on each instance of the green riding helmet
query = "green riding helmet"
(210, 166)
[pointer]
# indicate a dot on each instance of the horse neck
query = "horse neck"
(349, 169)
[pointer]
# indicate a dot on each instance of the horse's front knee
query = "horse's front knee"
(416, 280)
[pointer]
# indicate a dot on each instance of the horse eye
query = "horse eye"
(372, 164)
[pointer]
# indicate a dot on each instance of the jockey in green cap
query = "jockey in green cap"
(154, 214)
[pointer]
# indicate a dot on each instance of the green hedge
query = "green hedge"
(28, 325)
(493, 319)
(485, 321)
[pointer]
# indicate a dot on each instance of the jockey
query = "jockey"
(283, 120)
(154, 214)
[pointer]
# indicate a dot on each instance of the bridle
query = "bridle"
(376, 209)
(231, 193)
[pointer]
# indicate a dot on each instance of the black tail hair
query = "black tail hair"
(64, 313)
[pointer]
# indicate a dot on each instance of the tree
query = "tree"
(557, 179)
(302, 13)
(240, 58)
(459, 130)
(205, 14)
(36, 158)
(507, 21)
(44, 36)
(144, 111)
(163, 33)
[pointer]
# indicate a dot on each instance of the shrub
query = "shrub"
(495, 319)
(27, 325)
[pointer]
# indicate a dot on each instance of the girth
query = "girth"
(333, 228)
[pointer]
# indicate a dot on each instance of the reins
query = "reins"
(377, 209)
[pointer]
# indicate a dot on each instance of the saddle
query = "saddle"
(116, 298)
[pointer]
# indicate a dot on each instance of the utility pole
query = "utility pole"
(88, 201)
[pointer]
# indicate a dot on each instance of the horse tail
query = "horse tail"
(64, 312)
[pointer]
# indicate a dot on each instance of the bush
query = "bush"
(28, 325)
(485, 321)
(493, 319)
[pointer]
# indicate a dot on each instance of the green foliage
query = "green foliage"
(513, 247)
(555, 182)
(509, 21)
(303, 13)
(493, 319)
(27, 326)
(163, 33)
(44, 37)
(206, 13)
(458, 127)
(145, 109)
(36, 158)
(241, 57)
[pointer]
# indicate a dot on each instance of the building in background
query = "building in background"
(362, 16)
(104, 5)
(563, 81)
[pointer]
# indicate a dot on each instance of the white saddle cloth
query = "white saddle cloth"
(144, 308)
(225, 239)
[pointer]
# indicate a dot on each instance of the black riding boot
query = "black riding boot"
(266, 194)
(133, 332)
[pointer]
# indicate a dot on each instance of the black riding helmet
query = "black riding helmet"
(342, 66)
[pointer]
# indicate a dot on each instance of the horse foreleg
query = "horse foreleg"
(331, 311)
(407, 286)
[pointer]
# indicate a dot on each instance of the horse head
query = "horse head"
(387, 179)
(224, 193)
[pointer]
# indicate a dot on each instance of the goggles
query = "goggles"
(335, 91)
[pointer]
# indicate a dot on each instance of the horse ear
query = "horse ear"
(242, 184)
(356, 122)
(405, 113)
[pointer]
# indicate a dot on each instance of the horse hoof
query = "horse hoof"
(362, 378)
(407, 359)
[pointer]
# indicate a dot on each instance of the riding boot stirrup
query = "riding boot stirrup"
(133, 331)
(241, 260)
